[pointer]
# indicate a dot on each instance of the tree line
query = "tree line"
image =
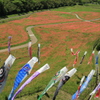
(23, 6)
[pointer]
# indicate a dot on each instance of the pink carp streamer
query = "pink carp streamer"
(9, 43)
(30, 49)
(91, 57)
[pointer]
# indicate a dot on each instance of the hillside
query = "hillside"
(57, 31)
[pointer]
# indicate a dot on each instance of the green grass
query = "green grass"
(16, 44)
(77, 8)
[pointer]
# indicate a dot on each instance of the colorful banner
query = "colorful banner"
(30, 49)
(94, 91)
(84, 85)
(81, 82)
(73, 52)
(22, 74)
(76, 56)
(59, 75)
(39, 71)
(98, 94)
(91, 57)
(97, 77)
(66, 77)
(83, 57)
(4, 70)
(9, 42)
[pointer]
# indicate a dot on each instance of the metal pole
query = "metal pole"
(38, 53)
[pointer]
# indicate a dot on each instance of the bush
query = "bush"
(97, 45)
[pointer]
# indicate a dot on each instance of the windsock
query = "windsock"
(66, 77)
(95, 90)
(97, 57)
(84, 85)
(97, 76)
(73, 52)
(81, 82)
(76, 58)
(9, 42)
(97, 69)
(22, 74)
(39, 71)
(59, 75)
(97, 94)
(4, 70)
(83, 57)
(98, 53)
(91, 57)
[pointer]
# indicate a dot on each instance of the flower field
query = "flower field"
(16, 28)
(89, 15)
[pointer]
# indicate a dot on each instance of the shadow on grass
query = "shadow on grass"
(28, 93)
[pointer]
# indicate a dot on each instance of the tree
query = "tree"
(9, 7)
(29, 5)
(2, 10)
(19, 5)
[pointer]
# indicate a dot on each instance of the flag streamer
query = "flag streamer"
(4, 71)
(76, 56)
(9, 43)
(98, 93)
(98, 53)
(84, 85)
(97, 77)
(30, 49)
(22, 74)
(94, 91)
(81, 82)
(83, 57)
(73, 52)
(39, 71)
(66, 77)
(97, 69)
(59, 75)
(91, 57)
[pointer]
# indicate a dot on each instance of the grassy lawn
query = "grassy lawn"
(77, 8)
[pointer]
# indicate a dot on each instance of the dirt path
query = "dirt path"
(84, 19)
(34, 39)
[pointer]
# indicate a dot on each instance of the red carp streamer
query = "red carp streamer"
(91, 57)
(79, 87)
(98, 94)
(76, 54)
